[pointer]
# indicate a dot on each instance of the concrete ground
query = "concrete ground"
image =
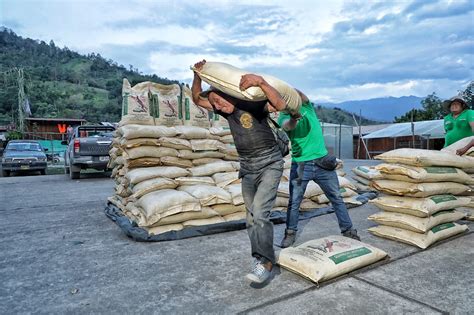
(61, 254)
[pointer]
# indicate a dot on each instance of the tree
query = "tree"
(432, 109)
(468, 94)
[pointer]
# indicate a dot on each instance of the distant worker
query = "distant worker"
(459, 123)
(311, 162)
(70, 130)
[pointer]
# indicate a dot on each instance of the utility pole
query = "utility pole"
(21, 100)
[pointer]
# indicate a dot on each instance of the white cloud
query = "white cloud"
(443, 88)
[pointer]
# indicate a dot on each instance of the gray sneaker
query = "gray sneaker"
(289, 239)
(352, 233)
(259, 273)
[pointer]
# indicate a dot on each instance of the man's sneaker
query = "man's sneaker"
(289, 239)
(352, 233)
(259, 273)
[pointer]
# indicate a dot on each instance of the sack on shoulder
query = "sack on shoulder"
(281, 138)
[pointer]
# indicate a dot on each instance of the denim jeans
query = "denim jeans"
(300, 175)
(259, 190)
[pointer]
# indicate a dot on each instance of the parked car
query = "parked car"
(23, 155)
(88, 147)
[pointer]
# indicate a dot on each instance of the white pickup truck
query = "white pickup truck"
(88, 147)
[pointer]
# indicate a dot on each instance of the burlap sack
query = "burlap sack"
(228, 139)
(132, 119)
(208, 195)
(361, 180)
(135, 104)
(344, 182)
(420, 157)
(192, 132)
(190, 180)
(201, 222)
(204, 213)
(163, 229)
(459, 145)
(150, 185)
(308, 204)
(165, 101)
(206, 145)
(236, 216)
(217, 121)
(328, 257)
(367, 172)
(216, 167)
(418, 189)
(194, 115)
(140, 174)
(421, 240)
(283, 190)
(142, 162)
(116, 201)
(137, 131)
(229, 149)
(122, 191)
(226, 78)
(133, 143)
(419, 207)
(220, 131)
(281, 202)
(224, 179)
(175, 143)
(235, 191)
(416, 224)
(225, 209)
(190, 155)
(362, 187)
(175, 161)
(425, 174)
(162, 203)
(203, 161)
(345, 192)
(149, 151)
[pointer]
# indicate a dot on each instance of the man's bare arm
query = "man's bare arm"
(274, 97)
(196, 88)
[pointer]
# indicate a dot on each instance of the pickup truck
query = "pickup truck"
(88, 147)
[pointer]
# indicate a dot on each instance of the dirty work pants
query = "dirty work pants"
(259, 190)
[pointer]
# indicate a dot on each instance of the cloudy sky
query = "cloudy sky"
(332, 50)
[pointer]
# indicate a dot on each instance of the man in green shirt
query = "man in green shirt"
(310, 161)
(459, 123)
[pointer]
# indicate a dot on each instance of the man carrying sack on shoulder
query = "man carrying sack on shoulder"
(261, 162)
(311, 161)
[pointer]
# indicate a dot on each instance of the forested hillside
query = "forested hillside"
(60, 82)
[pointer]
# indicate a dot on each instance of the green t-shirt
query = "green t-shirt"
(307, 141)
(458, 128)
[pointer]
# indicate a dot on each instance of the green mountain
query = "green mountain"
(60, 82)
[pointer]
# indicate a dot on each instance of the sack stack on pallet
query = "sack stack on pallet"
(424, 189)
(469, 153)
(173, 166)
(363, 176)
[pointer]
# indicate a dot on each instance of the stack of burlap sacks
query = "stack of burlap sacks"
(424, 189)
(175, 166)
(363, 176)
(469, 153)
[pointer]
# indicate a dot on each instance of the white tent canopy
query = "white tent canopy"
(433, 129)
